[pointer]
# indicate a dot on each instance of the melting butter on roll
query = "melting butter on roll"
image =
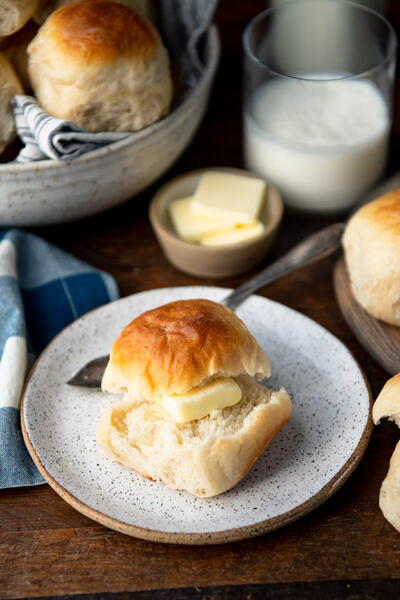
(193, 414)
(102, 66)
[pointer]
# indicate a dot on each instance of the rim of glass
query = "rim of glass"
(392, 45)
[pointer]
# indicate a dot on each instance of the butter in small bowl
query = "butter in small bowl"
(216, 223)
(223, 210)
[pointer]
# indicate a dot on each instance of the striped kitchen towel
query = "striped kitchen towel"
(42, 289)
(47, 137)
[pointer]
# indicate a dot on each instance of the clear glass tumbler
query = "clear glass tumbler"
(318, 101)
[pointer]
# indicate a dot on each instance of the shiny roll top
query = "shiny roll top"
(179, 346)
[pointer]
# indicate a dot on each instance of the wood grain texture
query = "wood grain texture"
(48, 549)
(343, 590)
(380, 340)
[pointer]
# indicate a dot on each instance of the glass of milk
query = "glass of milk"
(317, 109)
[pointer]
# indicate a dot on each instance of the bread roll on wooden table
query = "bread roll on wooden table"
(387, 405)
(372, 252)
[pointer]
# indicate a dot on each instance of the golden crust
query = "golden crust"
(176, 347)
(372, 252)
(100, 31)
(383, 213)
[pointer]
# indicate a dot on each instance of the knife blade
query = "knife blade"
(91, 374)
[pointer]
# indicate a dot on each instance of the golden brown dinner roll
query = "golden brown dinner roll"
(372, 252)
(9, 85)
(180, 345)
(15, 13)
(205, 457)
(143, 7)
(387, 405)
(15, 47)
(177, 351)
(101, 66)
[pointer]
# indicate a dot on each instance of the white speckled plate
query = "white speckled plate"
(305, 464)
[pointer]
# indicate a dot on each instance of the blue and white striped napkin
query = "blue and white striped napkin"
(42, 289)
(47, 137)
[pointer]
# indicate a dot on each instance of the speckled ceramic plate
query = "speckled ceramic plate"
(305, 464)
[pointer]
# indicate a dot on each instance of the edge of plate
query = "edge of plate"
(215, 537)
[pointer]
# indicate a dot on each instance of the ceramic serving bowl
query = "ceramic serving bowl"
(48, 192)
(216, 262)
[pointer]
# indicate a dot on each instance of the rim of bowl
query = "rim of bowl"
(212, 52)
(269, 227)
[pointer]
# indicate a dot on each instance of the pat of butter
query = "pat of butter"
(234, 197)
(234, 236)
(200, 401)
(191, 227)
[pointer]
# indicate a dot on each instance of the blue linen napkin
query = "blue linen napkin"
(42, 290)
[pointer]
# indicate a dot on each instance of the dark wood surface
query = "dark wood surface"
(380, 339)
(344, 549)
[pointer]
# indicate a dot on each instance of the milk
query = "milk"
(322, 143)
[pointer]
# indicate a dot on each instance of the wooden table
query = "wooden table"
(344, 549)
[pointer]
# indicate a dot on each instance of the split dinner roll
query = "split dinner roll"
(172, 350)
(9, 85)
(15, 13)
(102, 66)
(372, 253)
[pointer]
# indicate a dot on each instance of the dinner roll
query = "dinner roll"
(9, 85)
(15, 47)
(204, 457)
(180, 345)
(372, 253)
(388, 405)
(15, 13)
(176, 349)
(389, 496)
(143, 7)
(102, 66)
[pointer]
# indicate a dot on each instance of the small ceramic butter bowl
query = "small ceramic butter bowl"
(216, 262)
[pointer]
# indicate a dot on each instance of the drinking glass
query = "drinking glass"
(318, 101)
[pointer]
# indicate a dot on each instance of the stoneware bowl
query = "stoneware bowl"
(48, 192)
(216, 262)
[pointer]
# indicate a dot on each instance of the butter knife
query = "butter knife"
(310, 250)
